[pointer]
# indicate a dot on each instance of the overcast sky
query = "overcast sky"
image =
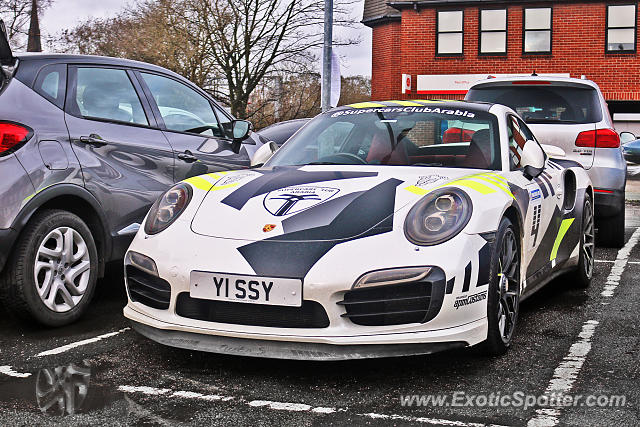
(68, 13)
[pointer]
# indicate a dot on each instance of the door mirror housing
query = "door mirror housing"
(263, 154)
(241, 129)
(532, 159)
(626, 137)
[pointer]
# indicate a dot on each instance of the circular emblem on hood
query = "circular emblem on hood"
(290, 200)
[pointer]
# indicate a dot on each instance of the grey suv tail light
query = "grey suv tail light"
(601, 138)
(12, 136)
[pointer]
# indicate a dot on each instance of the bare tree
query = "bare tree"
(16, 15)
(296, 96)
(250, 39)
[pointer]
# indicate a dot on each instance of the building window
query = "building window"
(621, 28)
(493, 31)
(537, 30)
(449, 41)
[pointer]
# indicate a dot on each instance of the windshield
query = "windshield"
(545, 104)
(396, 136)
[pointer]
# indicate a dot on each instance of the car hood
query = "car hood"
(313, 203)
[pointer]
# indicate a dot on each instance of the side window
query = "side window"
(519, 134)
(182, 108)
(107, 93)
(51, 83)
(225, 122)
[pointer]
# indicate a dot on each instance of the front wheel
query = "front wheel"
(503, 302)
(52, 275)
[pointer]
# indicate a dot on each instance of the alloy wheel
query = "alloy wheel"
(509, 286)
(62, 269)
(588, 243)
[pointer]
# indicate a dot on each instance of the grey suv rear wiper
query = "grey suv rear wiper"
(551, 121)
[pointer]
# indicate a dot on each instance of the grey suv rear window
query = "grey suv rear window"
(544, 104)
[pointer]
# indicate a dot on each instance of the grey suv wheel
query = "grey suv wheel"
(52, 275)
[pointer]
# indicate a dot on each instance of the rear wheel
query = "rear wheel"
(584, 272)
(611, 231)
(52, 275)
(504, 290)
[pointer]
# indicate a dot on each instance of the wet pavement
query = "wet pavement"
(99, 372)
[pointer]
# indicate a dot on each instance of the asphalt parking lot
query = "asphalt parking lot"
(99, 372)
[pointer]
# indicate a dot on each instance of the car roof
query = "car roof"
(442, 104)
(46, 58)
(556, 81)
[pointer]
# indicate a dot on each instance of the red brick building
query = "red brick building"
(445, 45)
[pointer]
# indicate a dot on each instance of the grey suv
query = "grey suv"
(571, 114)
(86, 146)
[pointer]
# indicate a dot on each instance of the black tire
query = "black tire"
(584, 272)
(500, 335)
(611, 231)
(19, 285)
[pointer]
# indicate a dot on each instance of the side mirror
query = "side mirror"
(532, 159)
(554, 151)
(627, 137)
(241, 129)
(263, 154)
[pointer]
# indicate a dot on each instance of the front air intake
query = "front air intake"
(147, 289)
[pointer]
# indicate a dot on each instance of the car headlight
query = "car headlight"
(438, 217)
(168, 208)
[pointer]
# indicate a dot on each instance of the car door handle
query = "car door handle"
(187, 156)
(93, 139)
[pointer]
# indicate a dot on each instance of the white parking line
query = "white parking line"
(8, 370)
(71, 346)
(619, 265)
(565, 375)
(567, 372)
(152, 391)
(608, 261)
(294, 407)
(424, 420)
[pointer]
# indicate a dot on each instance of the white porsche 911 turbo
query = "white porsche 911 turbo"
(379, 229)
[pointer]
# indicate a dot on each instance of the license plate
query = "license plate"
(247, 289)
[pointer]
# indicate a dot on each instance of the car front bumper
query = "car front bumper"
(305, 347)
(325, 285)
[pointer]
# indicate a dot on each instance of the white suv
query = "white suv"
(571, 114)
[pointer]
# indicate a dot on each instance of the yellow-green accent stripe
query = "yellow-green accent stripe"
(417, 190)
(564, 227)
(199, 182)
(366, 105)
(496, 183)
(474, 185)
